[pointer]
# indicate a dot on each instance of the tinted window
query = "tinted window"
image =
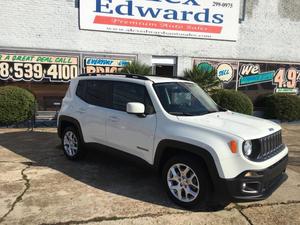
(128, 92)
(97, 92)
(80, 91)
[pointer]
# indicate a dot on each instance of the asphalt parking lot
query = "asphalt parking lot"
(38, 185)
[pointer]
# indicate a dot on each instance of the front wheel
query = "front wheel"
(186, 182)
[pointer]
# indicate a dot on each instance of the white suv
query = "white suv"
(206, 154)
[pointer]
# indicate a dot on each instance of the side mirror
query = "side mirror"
(135, 108)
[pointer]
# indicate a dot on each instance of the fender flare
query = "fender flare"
(201, 152)
(71, 120)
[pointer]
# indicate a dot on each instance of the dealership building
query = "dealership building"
(253, 44)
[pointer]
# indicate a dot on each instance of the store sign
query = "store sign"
(250, 74)
(207, 19)
(104, 65)
(226, 70)
(278, 77)
(283, 77)
(286, 80)
(28, 67)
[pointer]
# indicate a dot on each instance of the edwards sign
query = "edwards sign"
(209, 19)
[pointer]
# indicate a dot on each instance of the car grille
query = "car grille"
(269, 146)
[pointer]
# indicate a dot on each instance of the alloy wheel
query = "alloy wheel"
(70, 143)
(183, 182)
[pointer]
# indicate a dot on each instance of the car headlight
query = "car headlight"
(247, 148)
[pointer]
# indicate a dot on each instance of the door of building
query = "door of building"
(164, 66)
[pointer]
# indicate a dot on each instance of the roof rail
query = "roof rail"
(182, 78)
(179, 78)
(135, 76)
(88, 74)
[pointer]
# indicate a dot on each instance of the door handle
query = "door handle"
(114, 119)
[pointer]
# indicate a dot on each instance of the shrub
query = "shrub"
(205, 78)
(136, 67)
(284, 107)
(233, 100)
(260, 100)
(16, 105)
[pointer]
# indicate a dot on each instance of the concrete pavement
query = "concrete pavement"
(38, 185)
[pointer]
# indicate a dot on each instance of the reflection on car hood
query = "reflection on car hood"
(244, 126)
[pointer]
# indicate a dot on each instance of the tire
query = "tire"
(193, 183)
(72, 144)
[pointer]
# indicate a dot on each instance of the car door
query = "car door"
(94, 115)
(128, 132)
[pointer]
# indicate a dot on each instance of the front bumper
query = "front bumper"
(252, 188)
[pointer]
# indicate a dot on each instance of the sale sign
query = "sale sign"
(250, 74)
(104, 65)
(31, 67)
(208, 19)
(284, 78)
(226, 70)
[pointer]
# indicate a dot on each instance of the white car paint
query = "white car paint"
(141, 136)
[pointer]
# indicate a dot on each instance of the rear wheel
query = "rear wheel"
(72, 144)
(186, 182)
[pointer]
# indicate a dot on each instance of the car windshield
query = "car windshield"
(184, 99)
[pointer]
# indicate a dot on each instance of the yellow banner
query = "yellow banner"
(38, 58)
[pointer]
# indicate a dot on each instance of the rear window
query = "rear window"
(97, 92)
(114, 94)
(94, 92)
(80, 91)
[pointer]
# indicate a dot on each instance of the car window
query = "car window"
(80, 91)
(186, 99)
(97, 92)
(124, 92)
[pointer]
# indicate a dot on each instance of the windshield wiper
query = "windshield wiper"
(213, 111)
(181, 113)
(193, 114)
(222, 109)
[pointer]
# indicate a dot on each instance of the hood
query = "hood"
(244, 126)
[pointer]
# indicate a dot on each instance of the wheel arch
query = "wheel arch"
(66, 121)
(168, 148)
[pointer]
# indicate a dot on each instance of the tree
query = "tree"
(136, 67)
(205, 78)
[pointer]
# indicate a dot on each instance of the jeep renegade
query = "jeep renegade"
(204, 153)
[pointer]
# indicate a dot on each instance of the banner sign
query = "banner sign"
(283, 76)
(28, 67)
(104, 65)
(250, 74)
(208, 19)
(226, 71)
(278, 77)
(286, 80)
